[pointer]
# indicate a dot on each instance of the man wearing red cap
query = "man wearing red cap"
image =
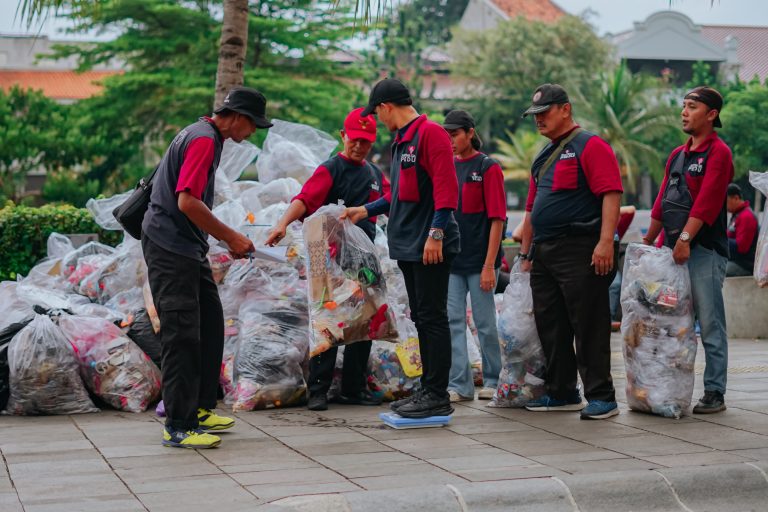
(348, 177)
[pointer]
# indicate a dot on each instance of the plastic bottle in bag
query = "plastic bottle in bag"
(658, 331)
(347, 291)
(523, 363)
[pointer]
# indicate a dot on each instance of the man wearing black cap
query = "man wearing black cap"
(174, 240)
(742, 235)
(573, 204)
(422, 234)
(691, 208)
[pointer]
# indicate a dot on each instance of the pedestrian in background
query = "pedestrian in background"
(742, 235)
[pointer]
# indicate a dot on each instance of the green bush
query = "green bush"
(70, 187)
(24, 233)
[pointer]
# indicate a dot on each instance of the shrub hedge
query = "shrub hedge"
(24, 233)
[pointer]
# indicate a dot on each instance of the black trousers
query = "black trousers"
(427, 287)
(191, 332)
(353, 373)
(571, 302)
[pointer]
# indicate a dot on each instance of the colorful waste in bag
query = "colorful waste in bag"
(658, 331)
(759, 180)
(523, 363)
(386, 376)
(272, 340)
(112, 366)
(346, 289)
(44, 374)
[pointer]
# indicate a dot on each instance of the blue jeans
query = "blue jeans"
(707, 270)
(484, 315)
(614, 292)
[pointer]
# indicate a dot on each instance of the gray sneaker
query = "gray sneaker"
(711, 402)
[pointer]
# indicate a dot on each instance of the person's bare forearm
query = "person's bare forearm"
(653, 231)
(202, 217)
(611, 206)
(295, 211)
(693, 226)
(525, 245)
(494, 241)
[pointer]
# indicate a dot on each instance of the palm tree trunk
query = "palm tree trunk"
(232, 48)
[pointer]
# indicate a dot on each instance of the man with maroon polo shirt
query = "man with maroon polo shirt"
(691, 209)
(174, 240)
(422, 234)
(742, 235)
(347, 176)
(573, 204)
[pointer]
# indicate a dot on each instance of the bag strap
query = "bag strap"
(147, 181)
(556, 153)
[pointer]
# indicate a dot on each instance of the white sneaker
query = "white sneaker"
(486, 393)
(455, 397)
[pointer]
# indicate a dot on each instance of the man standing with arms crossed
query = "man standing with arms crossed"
(174, 240)
(423, 236)
(691, 208)
(573, 200)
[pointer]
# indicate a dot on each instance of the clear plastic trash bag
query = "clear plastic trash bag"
(44, 373)
(293, 150)
(235, 157)
(347, 291)
(59, 245)
(522, 358)
(278, 191)
(759, 180)
(658, 331)
(102, 209)
(386, 375)
(121, 271)
(112, 366)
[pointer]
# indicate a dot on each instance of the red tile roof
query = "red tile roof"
(57, 85)
(534, 10)
(752, 51)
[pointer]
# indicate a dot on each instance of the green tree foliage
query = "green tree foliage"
(170, 51)
(631, 113)
(517, 151)
(503, 66)
(745, 127)
(67, 186)
(33, 134)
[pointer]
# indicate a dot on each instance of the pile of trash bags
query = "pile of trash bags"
(80, 331)
(523, 363)
(759, 180)
(657, 328)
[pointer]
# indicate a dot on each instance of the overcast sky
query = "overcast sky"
(609, 15)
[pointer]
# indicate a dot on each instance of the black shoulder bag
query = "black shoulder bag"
(130, 214)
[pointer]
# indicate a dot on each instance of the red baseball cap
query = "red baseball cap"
(358, 126)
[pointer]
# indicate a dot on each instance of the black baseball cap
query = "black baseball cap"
(389, 90)
(734, 190)
(545, 96)
(456, 119)
(246, 101)
(710, 97)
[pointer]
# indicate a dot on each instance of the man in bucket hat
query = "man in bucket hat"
(174, 240)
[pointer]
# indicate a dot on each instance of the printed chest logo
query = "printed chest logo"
(409, 156)
(567, 154)
(375, 187)
(475, 177)
(696, 168)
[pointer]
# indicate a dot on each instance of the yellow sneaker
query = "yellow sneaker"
(209, 420)
(195, 439)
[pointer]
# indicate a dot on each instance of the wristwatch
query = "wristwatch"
(436, 234)
(685, 237)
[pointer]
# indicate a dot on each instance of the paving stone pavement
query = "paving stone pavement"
(344, 459)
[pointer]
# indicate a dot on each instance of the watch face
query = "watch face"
(685, 236)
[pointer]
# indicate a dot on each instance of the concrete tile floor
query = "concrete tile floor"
(113, 461)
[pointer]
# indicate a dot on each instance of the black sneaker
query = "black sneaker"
(399, 403)
(426, 405)
(318, 403)
(712, 401)
(361, 398)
